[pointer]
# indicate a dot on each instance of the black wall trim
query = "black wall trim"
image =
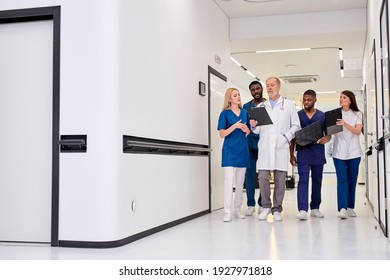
(37, 14)
(127, 240)
(139, 145)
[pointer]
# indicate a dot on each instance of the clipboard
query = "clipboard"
(308, 136)
(330, 119)
(260, 115)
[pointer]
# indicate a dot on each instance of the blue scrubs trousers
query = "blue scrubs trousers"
(251, 179)
(347, 173)
(303, 186)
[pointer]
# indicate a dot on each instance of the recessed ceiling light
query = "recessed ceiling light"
(284, 50)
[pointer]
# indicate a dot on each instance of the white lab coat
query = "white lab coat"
(274, 143)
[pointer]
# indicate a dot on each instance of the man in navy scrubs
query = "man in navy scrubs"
(310, 159)
(256, 90)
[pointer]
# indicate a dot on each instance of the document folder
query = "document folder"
(260, 115)
(308, 135)
(331, 118)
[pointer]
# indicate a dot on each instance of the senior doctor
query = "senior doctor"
(274, 145)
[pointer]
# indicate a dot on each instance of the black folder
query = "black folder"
(260, 115)
(331, 119)
(308, 135)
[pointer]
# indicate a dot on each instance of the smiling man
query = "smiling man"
(256, 90)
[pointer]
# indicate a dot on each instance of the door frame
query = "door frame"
(384, 21)
(37, 14)
(222, 77)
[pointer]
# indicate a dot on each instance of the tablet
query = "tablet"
(331, 119)
(308, 135)
(260, 115)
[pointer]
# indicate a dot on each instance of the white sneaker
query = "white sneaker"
(260, 209)
(350, 212)
(227, 217)
(264, 214)
(277, 216)
(316, 213)
(250, 211)
(238, 214)
(343, 214)
(302, 215)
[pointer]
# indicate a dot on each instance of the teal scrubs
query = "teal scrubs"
(235, 148)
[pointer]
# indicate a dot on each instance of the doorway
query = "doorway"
(217, 87)
(383, 121)
(29, 122)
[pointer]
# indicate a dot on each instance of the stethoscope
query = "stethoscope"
(281, 108)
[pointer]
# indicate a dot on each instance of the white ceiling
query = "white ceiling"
(242, 8)
(323, 61)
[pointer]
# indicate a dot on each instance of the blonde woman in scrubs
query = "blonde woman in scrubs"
(233, 128)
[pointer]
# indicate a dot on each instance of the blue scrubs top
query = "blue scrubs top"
(315, 154)
(252, 138)
(235, 148)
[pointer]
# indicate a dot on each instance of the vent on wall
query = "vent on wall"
(300, 79)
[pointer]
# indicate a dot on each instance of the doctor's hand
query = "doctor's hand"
(253, 123)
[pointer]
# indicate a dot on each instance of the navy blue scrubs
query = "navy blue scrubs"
(310, 159)
(251, 171)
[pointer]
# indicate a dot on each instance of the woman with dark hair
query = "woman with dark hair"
(347, 153)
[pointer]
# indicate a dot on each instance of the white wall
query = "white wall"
(165, 49)
(163, 59)
(132, 67)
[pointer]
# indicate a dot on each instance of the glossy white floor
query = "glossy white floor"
(208, 238)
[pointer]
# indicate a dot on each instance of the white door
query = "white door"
(370, 134)
(26, 62)
(217, 93)
(386, 123)
(383, 123)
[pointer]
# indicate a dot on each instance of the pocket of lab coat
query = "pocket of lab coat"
(282, 142)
